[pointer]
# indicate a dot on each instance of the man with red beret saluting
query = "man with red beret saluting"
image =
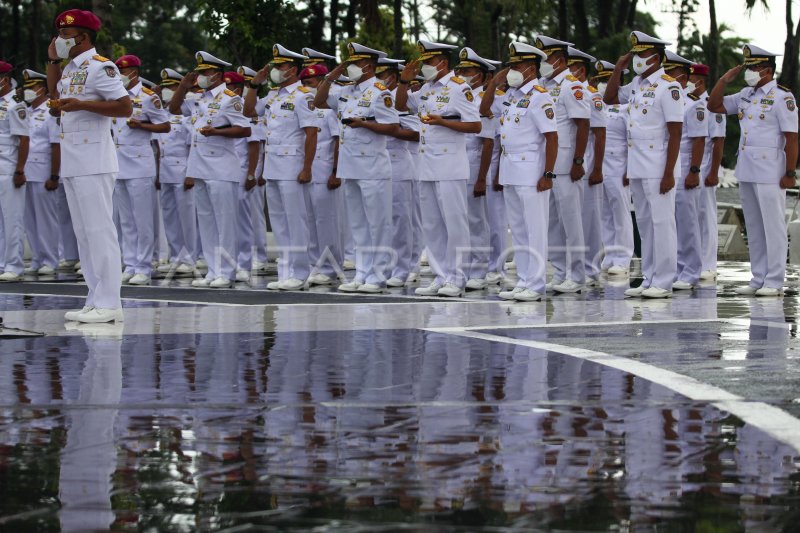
(135, 189)
(14, 136)
(90, 94)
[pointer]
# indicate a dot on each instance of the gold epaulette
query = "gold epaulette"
(668, 78)
(694, 97)
(230, 93)
(788, 90)
(457, 80)
(147, 91)
(540, 88)
(381, 86)
(570, 77)
(303, 89)
(100, 58)
(593, 89)
(500, 92)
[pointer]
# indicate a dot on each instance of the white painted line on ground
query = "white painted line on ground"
(771, 420)
(585, 324)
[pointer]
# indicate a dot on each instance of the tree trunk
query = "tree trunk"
(581, 24)
(562, 20)
(604, 10)
(621, 20)
(350, 18)
(371, 15)
(398, 28)
(413, 7)
(631, 14)
(495, 29)
(333, 14)
(316, 23)
(34, 58)
(16, 25)
(713, 43)
(791, 51)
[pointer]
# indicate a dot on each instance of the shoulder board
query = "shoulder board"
(500, 92)
(457, 80)
(694, 97)
(592, 89)
(570, 77)
(147, 91)
(788, 90)
(668, 78)
(230, 93)
(540, 88)
(381, 86)
(100, 58)
(303, 89)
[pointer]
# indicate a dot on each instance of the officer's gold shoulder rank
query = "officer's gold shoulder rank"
(500, 92)
(381, 86)
(230, 93)
(694, 97)
(540, 88)
(570, 77)
(457, 80)
(592, 90)
(303, 89)
(100, 58)
(668, 78)
(788, 90)
(147, 91)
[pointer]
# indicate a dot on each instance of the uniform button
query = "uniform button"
(523, 158)
(445, 149)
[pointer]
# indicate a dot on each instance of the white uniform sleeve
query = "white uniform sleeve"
(488, 128)
(413, 101)
(787, 114)
(731, 103)
(232, 110)
(333, 123)
(624, 93)
(543, 113)
(598, 117)
(18, 120)
(410, 122)
(696, 121)
(672, 107)
(105, 80)
(307, 117)
(53, 129)
(717, 125)
(465, 105)
(155, 111)
(333, 99)
(383, 107)
(575, 100)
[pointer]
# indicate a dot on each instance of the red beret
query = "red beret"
(233, 77)
(313, 71)
(699, 69)
(78, 18)
(128, 61)
(5, 68)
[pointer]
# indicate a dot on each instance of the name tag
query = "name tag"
(364, 103)
(288, 106)
(649, 94)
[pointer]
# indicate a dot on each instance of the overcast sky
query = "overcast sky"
(764, 28)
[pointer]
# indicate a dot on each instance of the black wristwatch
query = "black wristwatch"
(403, 82)
(791, 173)
(577, 161)
(54, 177)
(694, 170)
(54, 61)
(549, 175)
(252, 85)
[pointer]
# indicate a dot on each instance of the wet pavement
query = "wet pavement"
(267, 412)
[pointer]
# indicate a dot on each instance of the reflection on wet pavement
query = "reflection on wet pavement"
(374, 430)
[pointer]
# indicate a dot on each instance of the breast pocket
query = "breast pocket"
(86, 137)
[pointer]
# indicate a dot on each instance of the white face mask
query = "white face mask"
(547, 70)
(30, 95)
(277, 76)
(126, 80)
(167, 94)
(429, 72)
(469, 79)
(640, 64)
(601, 88)
(354, 72)
(691, 87)
(203, 81)
(63, 46)
(515, 78)
(752, 77)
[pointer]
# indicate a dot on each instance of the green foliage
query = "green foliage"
(380, 38)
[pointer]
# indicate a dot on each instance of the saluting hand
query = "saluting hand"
(51, 50)
(261, 75)
(729, 76)
(624, 60)
(337, 72)
(410, 71)
(500, 77)
(189, 81)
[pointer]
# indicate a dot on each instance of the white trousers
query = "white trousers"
(135, 202)
(498, 226)
(369, 209)
(445, 228)
(416, 222)
(160, 244)
(617, 224)
(477, 260)
(592, 227)
(12, 214)
(709, 235)
(246, 220)
(286, 201)
(403, 200)
(655, 218)
(528, 213)
(180, 222)
(67, 244)
(323, 208)
(764, 207)
(687, 224)
(90, 201)
(260, 227)
(217, 204)
(565, 237)
(346, 232)
(41, 224)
